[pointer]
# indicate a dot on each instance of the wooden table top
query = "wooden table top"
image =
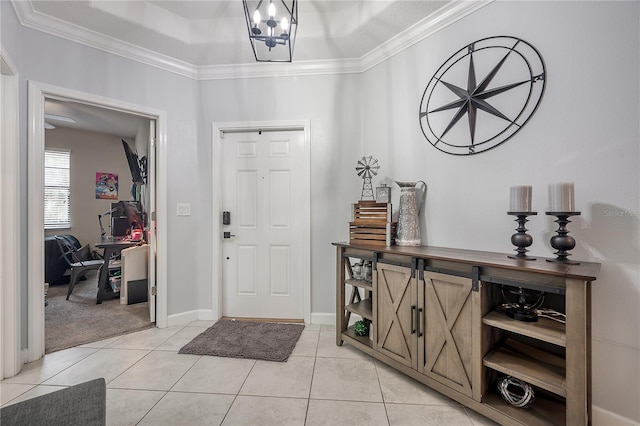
(587, 271)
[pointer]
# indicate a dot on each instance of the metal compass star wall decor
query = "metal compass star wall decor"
(496, 105)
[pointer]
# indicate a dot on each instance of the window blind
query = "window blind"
(57, 191)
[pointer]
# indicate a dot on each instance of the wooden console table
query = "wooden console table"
(436, 316)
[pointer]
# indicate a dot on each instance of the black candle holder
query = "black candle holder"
(563, 242)
(521, 239)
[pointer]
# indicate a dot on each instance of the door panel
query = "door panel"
(280, 261)
(247, 270)
(394, 313)
(246, 149)
(247, 193)
(445, 349)
(279, 193)
(262, 260)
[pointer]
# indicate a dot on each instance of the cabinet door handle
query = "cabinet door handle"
(413, 326)
(419, 322)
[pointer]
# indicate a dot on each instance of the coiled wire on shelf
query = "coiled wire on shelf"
(516, 392)
(552, 314)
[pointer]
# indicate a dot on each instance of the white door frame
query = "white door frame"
(10, 301)
(218, 130)
(37, 92)
(151, 181)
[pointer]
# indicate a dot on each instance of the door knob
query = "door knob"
(228, 235)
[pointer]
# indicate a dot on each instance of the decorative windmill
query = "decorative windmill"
(367, 167)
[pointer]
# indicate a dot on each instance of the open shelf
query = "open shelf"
(535, 366)
(361, 339)
(543, 412)
(544, 329)
(367, 285)
(363, 308)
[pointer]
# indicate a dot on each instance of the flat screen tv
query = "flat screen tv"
(134, 164)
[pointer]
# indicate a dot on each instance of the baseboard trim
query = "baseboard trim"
(186, 317)
(207, 315)
(249, 319)
(330, 319)
(322, 318)
(602, 417)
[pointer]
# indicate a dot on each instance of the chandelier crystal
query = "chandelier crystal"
(272, 27)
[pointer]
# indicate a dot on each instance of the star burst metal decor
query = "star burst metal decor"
(497, 83)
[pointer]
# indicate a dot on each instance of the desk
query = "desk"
(111, 246)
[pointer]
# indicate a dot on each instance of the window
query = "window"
(57, 191)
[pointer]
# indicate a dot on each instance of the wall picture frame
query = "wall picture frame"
(106, 186)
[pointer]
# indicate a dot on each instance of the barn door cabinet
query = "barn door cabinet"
(436, 315)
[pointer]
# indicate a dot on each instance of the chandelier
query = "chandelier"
(272, 26)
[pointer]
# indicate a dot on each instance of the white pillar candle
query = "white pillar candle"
(562, 197)
(520, 199)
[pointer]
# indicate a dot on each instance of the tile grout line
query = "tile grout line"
(162, 395)
(167, 391)
(128, 368)
(313, 373)
(384, 404)
(235, 397)
(146, 355)
(18, 396)
(152, 407)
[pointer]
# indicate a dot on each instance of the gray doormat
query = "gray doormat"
(242, 339)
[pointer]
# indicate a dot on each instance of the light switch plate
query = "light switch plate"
(184, 209)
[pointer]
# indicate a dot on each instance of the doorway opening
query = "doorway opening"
(39, 95)
(95, 165)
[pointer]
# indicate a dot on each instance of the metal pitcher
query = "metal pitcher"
(408, 231)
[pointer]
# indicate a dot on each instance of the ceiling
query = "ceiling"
(208, 39)
(92, 118)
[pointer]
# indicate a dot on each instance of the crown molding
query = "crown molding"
(31, 18)
(430, 25)
(442, 18)
(7, 66)
(279, 69)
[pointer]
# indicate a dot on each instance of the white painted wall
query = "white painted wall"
(585, 131)
(331, 104)
(52, 60)
(91, 152)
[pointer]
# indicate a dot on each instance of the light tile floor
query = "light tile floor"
(149, 383)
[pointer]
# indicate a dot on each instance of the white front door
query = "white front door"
(264, 182)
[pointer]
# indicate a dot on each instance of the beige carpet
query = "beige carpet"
(80, 320)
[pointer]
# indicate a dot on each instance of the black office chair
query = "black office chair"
(80, 261)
